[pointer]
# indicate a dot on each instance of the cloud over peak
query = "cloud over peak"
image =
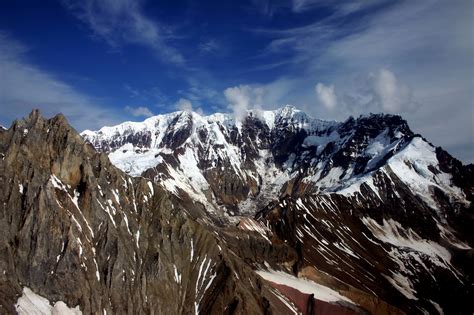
(140, 111)
(389, 94)
(184, 105)
(242, 98)
(326, 96)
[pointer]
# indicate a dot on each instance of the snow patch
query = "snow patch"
(412, 165)
(320, 291)
(393, 233)
(403, 285)
(32, 303)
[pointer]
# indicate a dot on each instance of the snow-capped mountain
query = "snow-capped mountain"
(270, 154)
(277, 213)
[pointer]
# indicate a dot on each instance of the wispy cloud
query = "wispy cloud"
(121, 22)
(200, 94)
(209, 46)
(303, 5)
(25, 86)
(336, 7)
(140, 111)
(150, 95)
(384, 56)
(268, 7)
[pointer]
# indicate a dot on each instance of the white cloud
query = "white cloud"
(121, 22)
(184, 105)
(326, 96)
(25, 86)
(139, 111)
(426, 45)
(243, 97)
(390, 95)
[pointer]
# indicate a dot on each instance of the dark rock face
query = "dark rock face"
(76, 229)
(331, 234)
(364, 207)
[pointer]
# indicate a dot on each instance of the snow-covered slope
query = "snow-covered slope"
(32, 303)
(276, 213)
(271, 153)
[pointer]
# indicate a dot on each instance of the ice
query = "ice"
(20, 188)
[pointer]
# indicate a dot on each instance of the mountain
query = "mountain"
(275, 213)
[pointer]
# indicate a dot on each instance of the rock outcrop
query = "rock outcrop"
(77, 229)
(275, 214)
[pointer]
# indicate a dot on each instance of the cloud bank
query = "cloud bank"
(412, 58)
(25, 86)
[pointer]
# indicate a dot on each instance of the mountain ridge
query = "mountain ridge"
(376, 138)
(379, 246)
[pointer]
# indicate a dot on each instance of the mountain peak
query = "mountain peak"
(282, 198)
(287, 110)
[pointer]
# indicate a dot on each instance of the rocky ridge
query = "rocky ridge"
(289, 212)
(77, 229)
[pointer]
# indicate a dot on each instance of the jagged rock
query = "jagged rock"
(365, 209)
(77, 229)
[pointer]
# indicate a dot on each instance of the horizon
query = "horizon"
(139, 120)
(104, 63)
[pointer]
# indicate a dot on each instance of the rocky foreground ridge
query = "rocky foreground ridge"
(276, 214)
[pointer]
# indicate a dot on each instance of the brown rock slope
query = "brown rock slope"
(75, 228)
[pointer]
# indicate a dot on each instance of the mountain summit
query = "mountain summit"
(276, 213)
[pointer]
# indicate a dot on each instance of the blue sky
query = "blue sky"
(103, 62)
